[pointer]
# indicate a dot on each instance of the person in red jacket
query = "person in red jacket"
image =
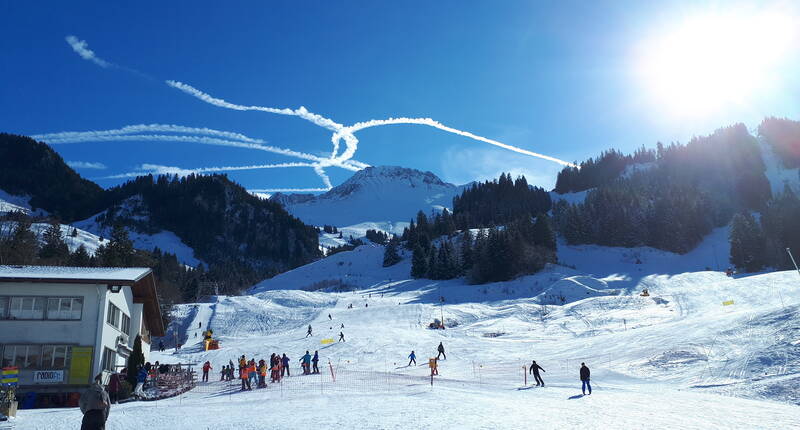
(114, 384)
(206, 368)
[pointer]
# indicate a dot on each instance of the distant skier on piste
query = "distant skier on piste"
(535, 368)
(341, 336)
(441, 351)
(585, 373)
(309, 331)
(412, 358)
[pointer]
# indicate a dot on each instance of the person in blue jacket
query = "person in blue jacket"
(141, 378)
(306, 361)
(412, 358)
(285, 367)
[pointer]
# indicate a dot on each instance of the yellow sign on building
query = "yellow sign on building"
(80, 368)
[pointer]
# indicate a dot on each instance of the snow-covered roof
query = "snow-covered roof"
(120, 274)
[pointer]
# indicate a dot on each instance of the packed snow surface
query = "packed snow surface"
(678, 358)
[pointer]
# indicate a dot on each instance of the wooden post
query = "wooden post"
(333, 376)
(525, 375)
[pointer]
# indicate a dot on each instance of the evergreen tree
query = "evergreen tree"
(119, 251)
(466, 252)
(55, 250)
(22, 246)
(543, 234)
(80, 258)
(419, 262)
(135, 360)
(747, 243)
(390, 255)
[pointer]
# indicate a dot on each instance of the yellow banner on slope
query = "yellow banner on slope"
(326, 341)
(727, 303)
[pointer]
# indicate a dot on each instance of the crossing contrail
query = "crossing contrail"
(207, 136)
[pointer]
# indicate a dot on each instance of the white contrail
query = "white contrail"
(352, 144)
(86, 165)
(299, 112)
(289, 190)
(149, 128)
(157, 169)
(82, 49)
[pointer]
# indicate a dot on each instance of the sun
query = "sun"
(711, 61)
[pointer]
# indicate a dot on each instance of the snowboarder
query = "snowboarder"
(206, 368)
(314, 362)
(535, 368)
(441, 351)
(412, 358)
(285, 368)
(341, 336)
(585, 379)
(95, 405)
(309, 331)
(306, 363)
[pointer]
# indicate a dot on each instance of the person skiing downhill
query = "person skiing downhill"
(341, 336)
(412, 358)
(585, 379)
(309, 331)
(330, 317)
(441, 351)
(535, 368)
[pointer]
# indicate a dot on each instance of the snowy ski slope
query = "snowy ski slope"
(678, 358)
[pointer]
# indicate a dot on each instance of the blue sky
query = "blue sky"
(556, 78)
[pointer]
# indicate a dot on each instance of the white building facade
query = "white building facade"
(61, 326)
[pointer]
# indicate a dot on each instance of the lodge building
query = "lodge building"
(60, 326)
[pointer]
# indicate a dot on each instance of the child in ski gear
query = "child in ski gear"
(141, 378)
(243, 374)
(341, 336)
(585, 378)
(252, 372)
(262, 374)
(441, 351)
(285, 367)
(314, 362)
(412, 358)
(95, 405)
(535, 368)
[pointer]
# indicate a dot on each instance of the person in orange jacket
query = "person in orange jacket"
(243, 372)
(262, 374)
(252, 373)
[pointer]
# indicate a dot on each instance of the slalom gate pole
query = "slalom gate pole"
(333, 376)
(525, 375)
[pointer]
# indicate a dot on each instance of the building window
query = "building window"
(55, 356)
(126, 324)
(109, 359)
(22, 356)
(64, 308)
(113, 315)
(3, 308)
(26, 308)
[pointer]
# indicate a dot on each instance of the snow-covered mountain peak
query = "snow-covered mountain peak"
(375, 194)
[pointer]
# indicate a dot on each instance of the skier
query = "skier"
(141, 378)
(441, 351)
(206, 368)
(535, 368)
(314, 362)
(309, 331)
(341, 336)
(200, 324)
(285, 368)
(161, 345)
(412, 359)
(330, 317)
(243, 370)
(306, 361)
(252, 373)
(585, 379)
(342, 325)
(262, 374)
